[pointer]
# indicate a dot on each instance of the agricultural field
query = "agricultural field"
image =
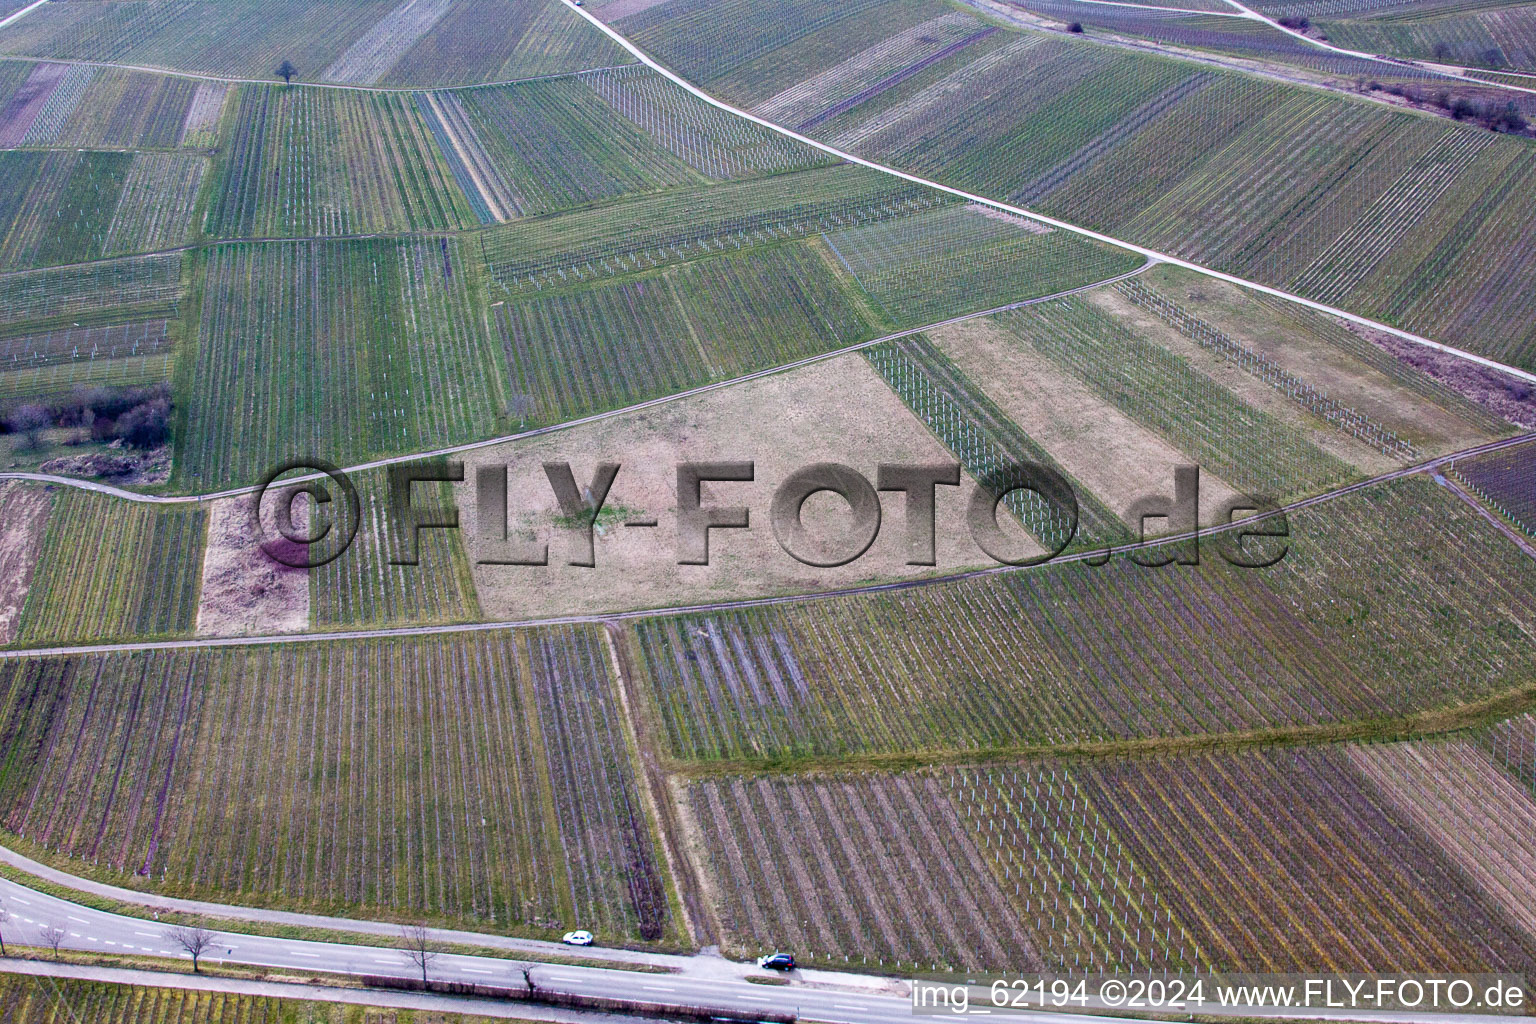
(1502, 36)
(242, 39)
(832, 410)
(1376, 607)
(537, 147)
(548, 146)
(308, 162)
(582, 350)
(955, 260)
(707, 40)
(365, 588)
(113, 569)
(986, 441)
(1276, 860)
(24, 509)
(88, 107)
(651, 231)
(1512, 745)
(108, 287)
(1506, 480)
(1308, 355)
(74, 206)
(295, 348)
(55, 362)
(1459, 796)
(34, 1000)
(1276, 183)
(1221, 32)
(483, 780)
(480, 41)
(708, 139)
(1244, 444)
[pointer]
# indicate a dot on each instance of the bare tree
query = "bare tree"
(53, 938)
(419, 949)
(526, 971)
(31, 420)
(194, 941)
(5, 919)
(286, 71)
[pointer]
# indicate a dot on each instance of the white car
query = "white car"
(580, 937)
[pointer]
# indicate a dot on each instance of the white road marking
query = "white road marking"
(476, 970)
(77, 920)
(659, 988)
(146, 935)
(313, 956)
(25, 903)
(845, 1006)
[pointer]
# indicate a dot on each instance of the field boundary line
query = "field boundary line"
(199, 76)
(1430, 723)
(469, 446)
(1020, 211)
(893, 586)
(1452, 485)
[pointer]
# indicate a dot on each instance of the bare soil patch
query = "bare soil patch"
(244, 591)
(23, 517)
(834, 411)
(1110, 454)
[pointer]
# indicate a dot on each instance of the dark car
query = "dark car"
(777, 961)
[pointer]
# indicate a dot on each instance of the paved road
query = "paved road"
(604, 618)
(1020, 211)
(700, 980)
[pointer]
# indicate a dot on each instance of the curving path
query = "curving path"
(1020, 211)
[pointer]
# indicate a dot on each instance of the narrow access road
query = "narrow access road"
(1020, 211)
(469, 446)
(11, 19)
(606, 618)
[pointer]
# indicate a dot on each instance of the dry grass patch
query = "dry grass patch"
(244, 592)
(23, 511)
(1110, 454)
(1310, 356)
(834, 411)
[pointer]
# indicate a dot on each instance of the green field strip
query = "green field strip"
(307, 162)
(953, 260)
(610, 344)
(365, 588)
(646, 232)
(110, 570)
(550, 141)
(986, 441)
(381, 348)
